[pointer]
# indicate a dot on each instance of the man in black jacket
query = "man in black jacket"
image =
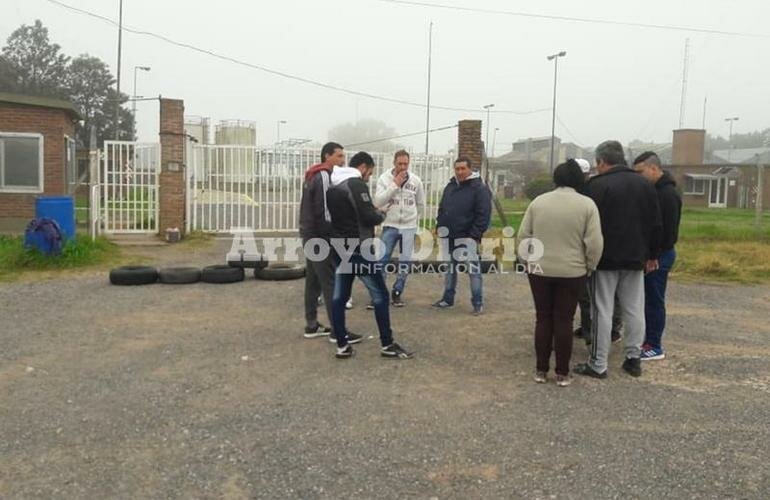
(315, 224)
(354, 218)
(649, 166)
(631, 226)
(463, 216)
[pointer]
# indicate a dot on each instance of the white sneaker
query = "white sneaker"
(349, 304)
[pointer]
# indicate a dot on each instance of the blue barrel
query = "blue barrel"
(59, 208)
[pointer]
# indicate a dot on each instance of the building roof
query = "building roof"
(41, 102)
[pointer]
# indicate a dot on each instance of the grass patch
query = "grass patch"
(745, 262)
(79, 253)
(715, 244)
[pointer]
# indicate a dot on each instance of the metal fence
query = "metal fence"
(125, 196)
(260, 188)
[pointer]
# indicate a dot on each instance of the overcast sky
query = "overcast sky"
(615, 82)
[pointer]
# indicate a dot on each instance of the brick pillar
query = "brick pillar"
(469, 142)
(172, 176)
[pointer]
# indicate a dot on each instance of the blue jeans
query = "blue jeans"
(473, 266)
(391, 236)
(655, 299)
(375, 283)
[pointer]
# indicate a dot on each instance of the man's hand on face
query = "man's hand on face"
(400, 178)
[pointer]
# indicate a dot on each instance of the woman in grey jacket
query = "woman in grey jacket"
(562, 232)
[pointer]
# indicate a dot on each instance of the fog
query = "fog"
(616, 81)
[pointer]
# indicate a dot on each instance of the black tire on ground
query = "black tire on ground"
(249, 262)
(222, 274)
(133, 275)
(179, 275)
(280, 272)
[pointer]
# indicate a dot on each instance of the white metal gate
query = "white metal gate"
(260, 188)
(127, 201)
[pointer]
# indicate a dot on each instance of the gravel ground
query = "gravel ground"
(210, 391)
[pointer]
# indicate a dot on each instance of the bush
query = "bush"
(538, 186)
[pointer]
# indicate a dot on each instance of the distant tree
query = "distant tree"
(365, 131)
(31, 64)
(538, 186)
(91, 90)
(756, 139)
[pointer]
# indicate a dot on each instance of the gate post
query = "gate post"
(469, 142)
(171, 189)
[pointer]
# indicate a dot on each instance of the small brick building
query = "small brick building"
(37, 154)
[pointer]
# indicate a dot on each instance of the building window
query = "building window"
(694, 186)
(21, 162)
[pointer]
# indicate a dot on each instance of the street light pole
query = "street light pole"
(488, 107)
(120, 51)
(494, 139)
(279, 123)
(427, 113)
(133, 105)
(555, 59)
(730, 141)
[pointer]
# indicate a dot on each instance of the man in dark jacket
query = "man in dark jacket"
(315, 224)
(631, 226)
(463, 216)
(354, 218)
(649, 166)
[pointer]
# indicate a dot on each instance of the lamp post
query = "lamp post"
(133, 107)
(494, 139)
(730, 142)
(555, 59)
(117, 80)
(278, 125)
(488, 107)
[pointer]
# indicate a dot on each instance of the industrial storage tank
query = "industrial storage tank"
(236, 133)
(198, 127)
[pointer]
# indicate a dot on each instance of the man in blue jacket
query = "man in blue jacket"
(463, 216)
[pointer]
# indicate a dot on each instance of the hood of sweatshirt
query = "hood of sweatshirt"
(341, 174)
(474, 175)
(665, 180)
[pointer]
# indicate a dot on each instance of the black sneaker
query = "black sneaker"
(370, 306)
(584, 369)
(442, 305)
(318, 331)
(344, 352)
(616, 336)
(352, 338)
(395, 299)
(633, 366)
(395, 351)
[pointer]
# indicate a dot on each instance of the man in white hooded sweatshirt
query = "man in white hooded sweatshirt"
(401, 196)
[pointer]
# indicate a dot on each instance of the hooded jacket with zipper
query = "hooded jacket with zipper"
(314, 217)
(670, 210)
(630, 216)
(465, 208)
(352, 212)
(402, 205)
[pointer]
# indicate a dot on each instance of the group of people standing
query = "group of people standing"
(607, 242)
(336, 204)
